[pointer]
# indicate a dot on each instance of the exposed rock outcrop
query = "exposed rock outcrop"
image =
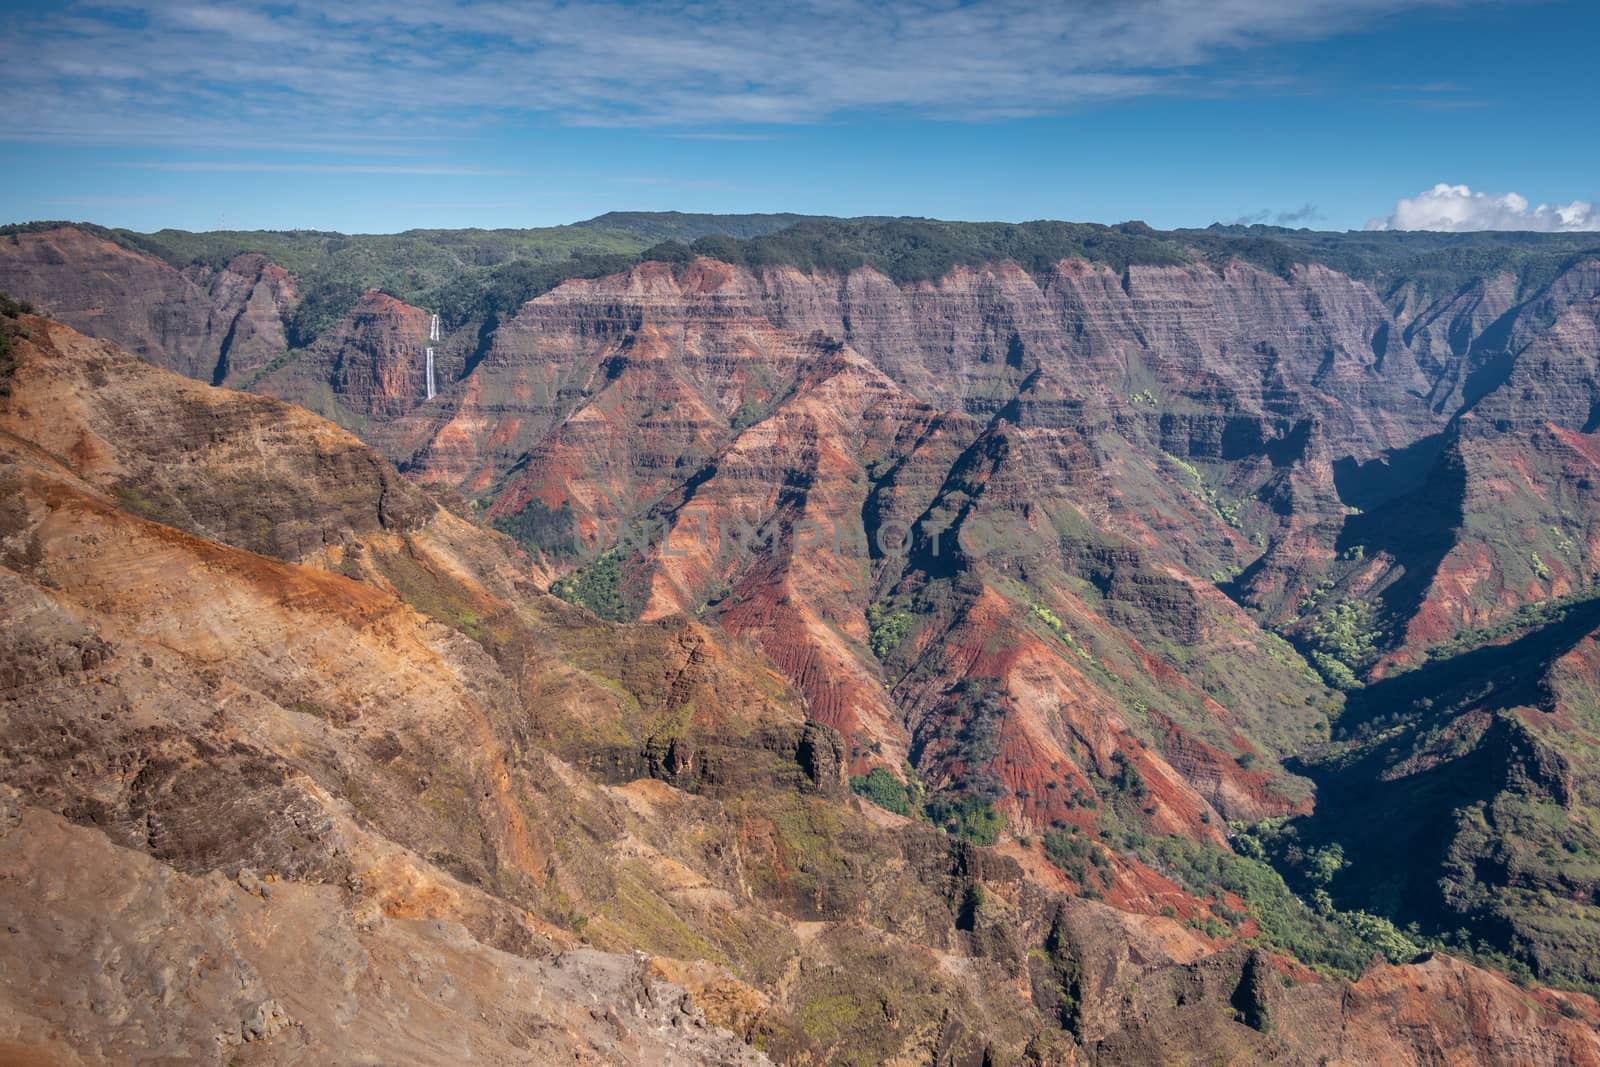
(1023, 546)
(363, 799)
(214, 325)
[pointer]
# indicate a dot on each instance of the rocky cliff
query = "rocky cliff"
(402, 804)
(214, 325)
(1125, 570)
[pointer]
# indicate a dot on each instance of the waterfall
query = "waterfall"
(433, 335)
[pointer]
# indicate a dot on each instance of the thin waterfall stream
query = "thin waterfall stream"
(433, 335)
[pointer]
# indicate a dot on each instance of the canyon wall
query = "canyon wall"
(1126, 554)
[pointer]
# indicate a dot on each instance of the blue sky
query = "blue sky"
(367, 116)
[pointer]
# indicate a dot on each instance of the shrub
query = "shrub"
(539, 528)
(1072, 852)
(1325, 938)
(597, 587)
(967, 817)
(1321, 864)
(10, 309)
(887, 629)
(884, 790)
(1127, 780)
(1343, 642)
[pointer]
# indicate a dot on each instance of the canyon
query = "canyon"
(1180, 648)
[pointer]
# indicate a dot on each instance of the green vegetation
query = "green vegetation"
(468, 275)
(10, 329)
(904, 248)
(973, 818)
(966, 811)
(1059, 628)
(1127, 780)
(1226, 509)
(487, 297)
(910, 250)
(1337, 942)
(1342, 642)
(1056, 971)
(887, 628)
(1528, 617)
(860, 1013)
(1321, 864)
(132, 499)
(688, 226)
(597, 587)
(887, 791)
(11, 307)
(1255, 1010)
(1498, 854)
(418, 584)
(1435, 264)
(543, 530)
(1078, 856)
(1531, 930)
(479, 277)
(748, 414)
(1554, 851)
(971, 735)
(956, 811)
(325, 302)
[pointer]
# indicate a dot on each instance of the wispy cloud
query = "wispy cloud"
(1457, 208)
(1307, 212)
(1432, 96)
(232, 167)
(396, 68)
(1299, 216)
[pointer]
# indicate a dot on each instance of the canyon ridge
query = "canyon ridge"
(800, 640)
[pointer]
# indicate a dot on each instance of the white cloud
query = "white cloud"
(1456, 208)
(390, 67)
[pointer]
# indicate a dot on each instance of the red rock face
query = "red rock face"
(1054, 509)
(1265, 346)
(376, 356)
(1442, 335)
(713, 405)
(211, 325)
(1144, 431)
(263, 292)
(1505, 521)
